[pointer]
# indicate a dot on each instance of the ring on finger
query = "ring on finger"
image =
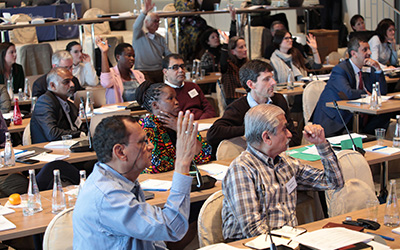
(187, 132)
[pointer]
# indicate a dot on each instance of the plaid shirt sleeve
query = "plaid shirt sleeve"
(329, 178)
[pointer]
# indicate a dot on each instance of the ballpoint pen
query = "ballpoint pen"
(383, 236)
(375, 149)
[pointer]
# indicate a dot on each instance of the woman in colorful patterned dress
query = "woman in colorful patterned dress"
(160, 126)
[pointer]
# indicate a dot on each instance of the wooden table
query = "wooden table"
(284, 91)
(383, 230)
(19, 128)
(389, 106)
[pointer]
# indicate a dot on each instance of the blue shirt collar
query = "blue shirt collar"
(253, 103)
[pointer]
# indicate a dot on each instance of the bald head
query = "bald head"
(152, 22)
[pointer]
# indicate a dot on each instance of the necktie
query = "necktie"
(360, 82)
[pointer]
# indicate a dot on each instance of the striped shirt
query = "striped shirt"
(256, 183)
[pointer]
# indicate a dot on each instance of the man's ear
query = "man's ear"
(164, 71)
(265, 137)
(118, 151)
(250, 84)
(117, 57)
(53, 86)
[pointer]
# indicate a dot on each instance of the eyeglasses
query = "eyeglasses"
(288, 38)
(177, 66)
(145, 140)
(66, 81)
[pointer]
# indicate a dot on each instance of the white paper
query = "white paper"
(10, 115)
(332, 238)
(367, 100)
(261, 243)
(317, 77)
(60, 144)
(6, 224)
(338, 139)
(288, 231)
(386, 151)
(108, 109)
(378, 246)
(312, 150)
(156, 185)
(49, 157)
(5, 210)
(216, 170)
(19, 153)
(204, 126)
(21, 205)
(219, 246)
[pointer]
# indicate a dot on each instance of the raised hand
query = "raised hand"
(232, 12)
(312, 42)
(102, 44)
(147, 6)
(314, 133)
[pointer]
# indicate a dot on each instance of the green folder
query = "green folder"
(298, 154)
(347, 144)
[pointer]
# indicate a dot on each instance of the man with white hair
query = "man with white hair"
(150, 47)
(260, 187)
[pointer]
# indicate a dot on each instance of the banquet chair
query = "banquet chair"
(23, 35)
(35, 58)
(209, 223)
(26, 136)
(311, 96)
(231, 148)
(59, 233)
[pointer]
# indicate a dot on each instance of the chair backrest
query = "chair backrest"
(171, 40)
(220, 97)
(26, 136)
(35, 58)
(358, 180)
(99, 28)
(260, 37)
(311, 95)
(96, 119)
(59, 233)
(209, 223)
(231, 148)
(31, 80)
(23, 35)
(98, 95)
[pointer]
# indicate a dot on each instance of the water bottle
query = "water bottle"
(34, 202)
(396, 137)
(20, 94)
(194, 71)
(58, 199)
(82, 174)
(81, 111)
(10, 89)
(391, 218)
(74, 13)
(17, 116)
(378, 91)
(290, 80)
(136, 7)
(374, 98)
(27, 93)
(9, 158)
(89, 105)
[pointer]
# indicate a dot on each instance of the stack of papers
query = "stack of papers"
(383, 149)
(367, 100)
(156, 185)
(6, 224)
(217, 171)
(49, 157)
(18, 153)
(263, 242)
(61, 144)
(5, 210)
(108, 109)
(288, 231)
(340, 138)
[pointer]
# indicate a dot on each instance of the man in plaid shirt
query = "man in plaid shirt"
(260, 187)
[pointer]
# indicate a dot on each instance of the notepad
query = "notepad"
(6, 224)
(217, 171)
(379, 149)
(49, 157)
(288, 231)
(156, 185)
(263, 242)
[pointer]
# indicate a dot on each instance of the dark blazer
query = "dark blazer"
(18, 77)
(40, 85)
(49, 121)
(231, 124)
(342, 86)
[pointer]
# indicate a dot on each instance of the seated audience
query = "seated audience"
(257, 78)
(160, 126)
(82, 65)
(121, 81)
(286, 57)
(383, 44)
(54, 115)
(188, 94)
(9, 69)
(149, 46)
(111, 211)
(278, 25)
(347, 82)
(260, 187)
(358, 25)
(233, 56)
(62, 59)
(210, 42)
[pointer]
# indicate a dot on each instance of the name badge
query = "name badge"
(366, 69)
(193, 93)
(291, 185)
(78, 122)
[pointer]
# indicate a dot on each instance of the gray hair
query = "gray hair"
(60, 55)
(53, 76)
(263, 117)
(150, 16)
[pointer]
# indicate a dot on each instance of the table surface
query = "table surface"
(389, 106)
(383, 230)
(211, 78)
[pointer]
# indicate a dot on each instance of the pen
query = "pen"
(385, 237)
(23, 151)
(379, 148)
(105, 44)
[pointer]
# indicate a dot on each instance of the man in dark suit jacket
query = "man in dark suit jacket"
(344, 84)
(63, 59)
(256, 77)
(54, 115)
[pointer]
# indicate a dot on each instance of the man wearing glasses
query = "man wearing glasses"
(55, 116)
(188, 94)
(260, 187)
(63, 59)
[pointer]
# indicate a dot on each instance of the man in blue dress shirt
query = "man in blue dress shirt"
(111, 212)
